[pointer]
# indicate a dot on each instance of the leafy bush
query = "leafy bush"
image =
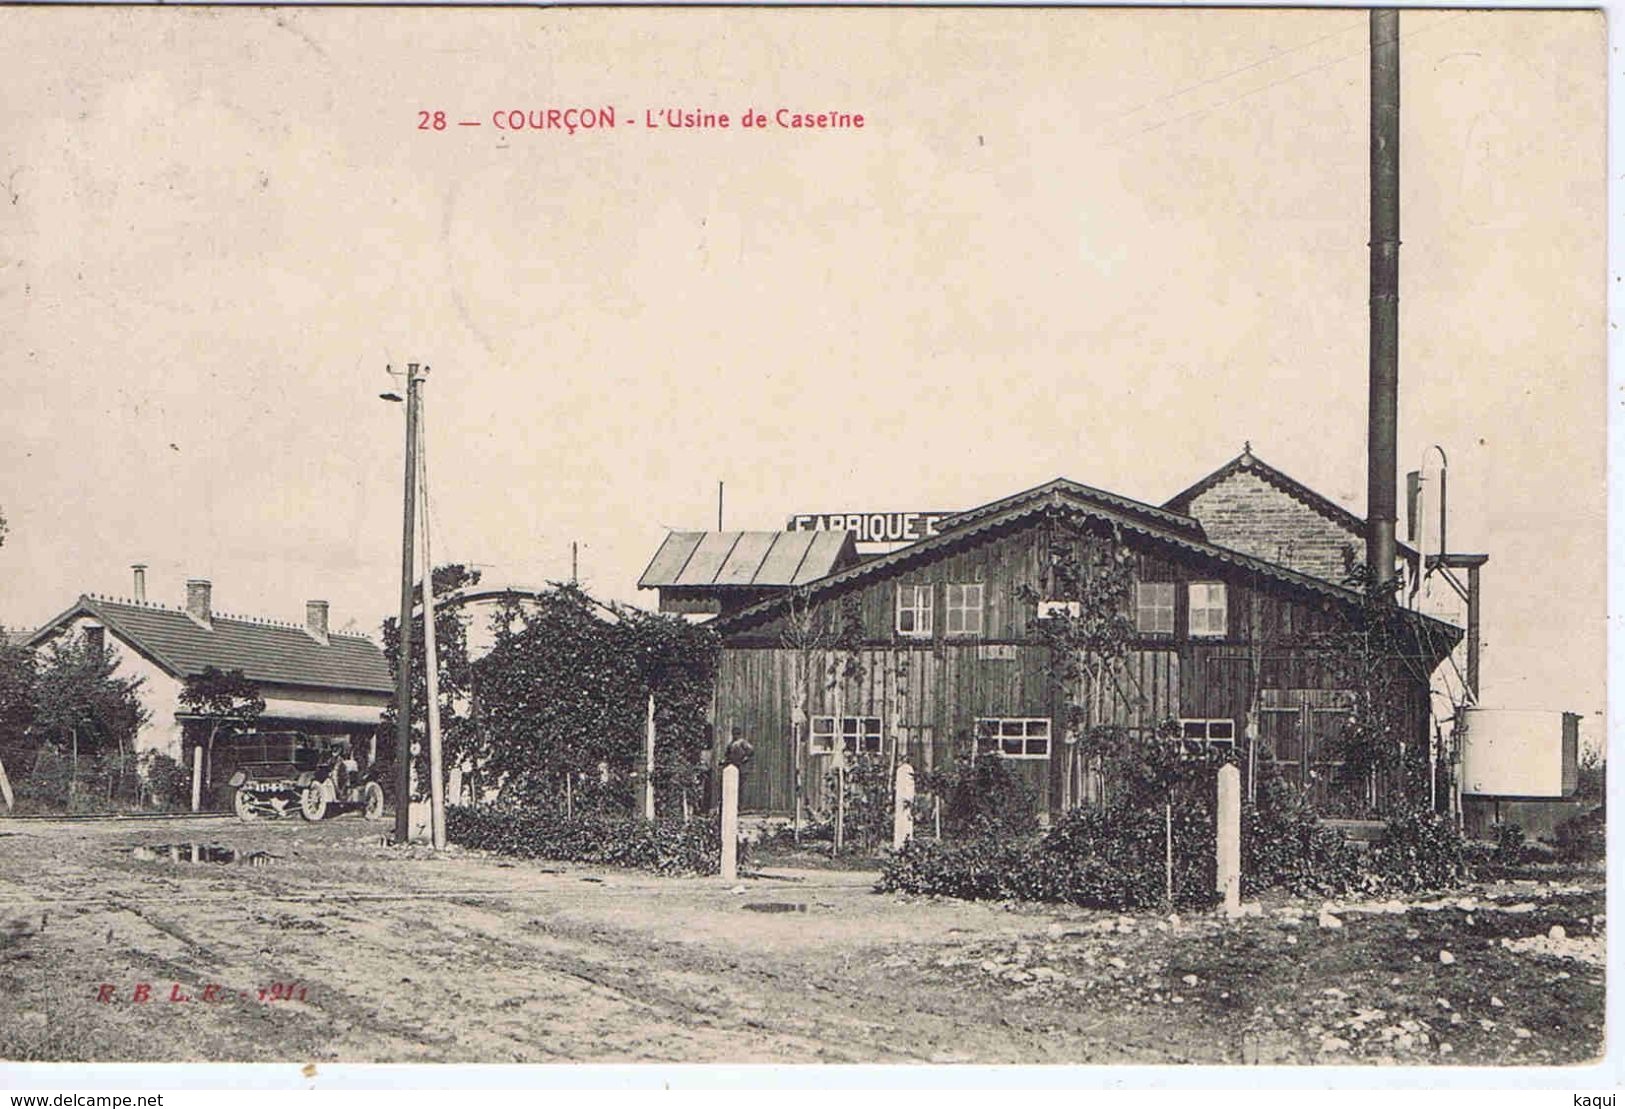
(868, 817)
(1584, 838)
(982, 868)
(1099, 857)
(980, 797)
(1285, 846)
(1509, 845)
(607, 839)
(1421, 850)
(1114, 857)
(167, 784)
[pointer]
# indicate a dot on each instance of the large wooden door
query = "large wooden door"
(1299, 731)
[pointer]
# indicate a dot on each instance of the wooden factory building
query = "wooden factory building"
(935, 651)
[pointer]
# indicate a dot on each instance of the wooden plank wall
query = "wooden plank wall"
(928, 693)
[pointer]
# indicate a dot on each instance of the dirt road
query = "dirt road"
(339, 948)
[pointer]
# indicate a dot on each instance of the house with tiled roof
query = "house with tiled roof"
(311, 678)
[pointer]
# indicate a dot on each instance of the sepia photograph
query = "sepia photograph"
(930, 536)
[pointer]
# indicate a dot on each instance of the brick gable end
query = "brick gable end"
(1248, 514)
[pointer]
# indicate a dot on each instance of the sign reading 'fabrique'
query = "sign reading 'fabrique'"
(873, 527)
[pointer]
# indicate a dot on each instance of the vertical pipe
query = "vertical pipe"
(1383, 411)
(403, 651)
(1472, 633)
(719, 506)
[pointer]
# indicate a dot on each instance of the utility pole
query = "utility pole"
(1383, 412)
(431, 662)
(403, 653)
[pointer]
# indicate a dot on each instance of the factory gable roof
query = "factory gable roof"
(263, 650)
(1070, 501)
(1166, 517)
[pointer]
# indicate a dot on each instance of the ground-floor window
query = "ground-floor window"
(1023, 737)
(858, 735)
(1206, 735)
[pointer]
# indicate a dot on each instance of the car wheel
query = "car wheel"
(243, 805)
(373, 797)
(313, 802)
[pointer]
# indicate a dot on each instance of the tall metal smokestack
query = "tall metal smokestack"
(1382, 467)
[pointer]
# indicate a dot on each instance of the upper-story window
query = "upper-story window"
(1154, 607)
(1209, 615)
(914, 610)
(963, 607)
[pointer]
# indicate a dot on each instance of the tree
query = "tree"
(81, 703)
(824, 643)
(16, 704)
(1383, 655)
(562, 695)
(215, 698)
(457, 729)
(1090, 633)
(17, 691)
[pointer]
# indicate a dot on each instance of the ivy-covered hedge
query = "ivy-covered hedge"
(1097, 857)
(1115, 858)
(1285, 846)
(606, 839)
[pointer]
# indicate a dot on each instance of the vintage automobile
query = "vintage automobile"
(278, 772)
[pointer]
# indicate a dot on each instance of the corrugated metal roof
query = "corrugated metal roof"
(746, 559)
(788, 552)
(696, 560)
(821, 556)
(262, 650)
(708, 558)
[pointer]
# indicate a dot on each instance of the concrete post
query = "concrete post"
(730, 822)
(1230, 836)
(902, 821)
(197, 778)
(649, 761)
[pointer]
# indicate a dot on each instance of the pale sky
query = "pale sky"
(1105, 244)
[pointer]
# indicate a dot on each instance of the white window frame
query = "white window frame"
(918, 604)
(821, 734)
(1207, 733)
(862, 735)
(1144, 605)
(1013, 737)
(964, 609)
(859, 735)
(1205, 626)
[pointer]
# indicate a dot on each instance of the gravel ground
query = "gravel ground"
(336, 947)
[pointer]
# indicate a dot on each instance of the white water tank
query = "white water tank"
(1520, 753)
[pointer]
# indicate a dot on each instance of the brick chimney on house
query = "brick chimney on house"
(316, 621)
(197, 601)
(140, 569)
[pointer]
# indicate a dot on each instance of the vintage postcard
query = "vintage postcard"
(1045, 535)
